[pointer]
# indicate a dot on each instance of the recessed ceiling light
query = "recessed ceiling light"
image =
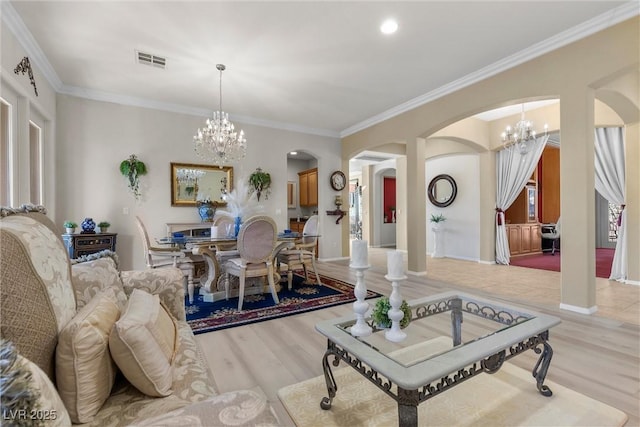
(293, 153)
(389, 26)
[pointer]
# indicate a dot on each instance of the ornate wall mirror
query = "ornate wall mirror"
(442, 190)
(191, 182)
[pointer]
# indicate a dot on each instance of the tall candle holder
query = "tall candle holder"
(360, 306)
(396, 273)
(395, 314)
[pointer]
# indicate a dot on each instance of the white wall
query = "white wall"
(94, 137)
(462, 227)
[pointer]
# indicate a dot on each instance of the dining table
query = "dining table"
(208, 248)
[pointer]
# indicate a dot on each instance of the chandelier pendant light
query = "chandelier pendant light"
(218, 142)
(521, 134)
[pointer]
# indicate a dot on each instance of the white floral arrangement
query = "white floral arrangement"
(241, 202)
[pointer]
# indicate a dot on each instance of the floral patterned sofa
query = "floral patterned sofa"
(42, 292)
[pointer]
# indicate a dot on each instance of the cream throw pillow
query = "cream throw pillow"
(143, 344)
(85, 371)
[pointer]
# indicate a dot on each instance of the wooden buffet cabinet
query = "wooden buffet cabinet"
(308, 187)
(523, 228)
(524, 238)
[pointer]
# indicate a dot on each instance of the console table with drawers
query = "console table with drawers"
(84, 244)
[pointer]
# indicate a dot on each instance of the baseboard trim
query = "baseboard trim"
(632, 282)
(486, 262)
(416, 273)
(581, 310)
(333, 259)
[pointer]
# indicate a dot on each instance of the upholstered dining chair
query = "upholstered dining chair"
(169, 256)
(554, 235)
(256, 242)
(303, 253)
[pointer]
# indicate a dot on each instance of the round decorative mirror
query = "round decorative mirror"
(442, 190)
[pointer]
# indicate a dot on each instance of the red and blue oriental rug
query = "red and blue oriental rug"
(212, 316)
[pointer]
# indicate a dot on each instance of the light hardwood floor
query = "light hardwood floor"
(597, 355)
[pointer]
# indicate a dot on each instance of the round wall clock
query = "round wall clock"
(338, 181)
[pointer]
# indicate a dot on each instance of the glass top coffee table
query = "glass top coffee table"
(452, 337)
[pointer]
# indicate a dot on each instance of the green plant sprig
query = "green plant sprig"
(382, 307)
(437, 218)
(69, 224)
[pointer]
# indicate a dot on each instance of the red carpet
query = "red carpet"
(546, 261)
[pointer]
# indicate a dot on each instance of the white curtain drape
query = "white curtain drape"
(610, 180)
(513, 170)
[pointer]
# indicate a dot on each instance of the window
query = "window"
(6, 198)
(35, 164)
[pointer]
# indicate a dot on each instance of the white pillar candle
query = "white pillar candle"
(359, 255)
(395, 265)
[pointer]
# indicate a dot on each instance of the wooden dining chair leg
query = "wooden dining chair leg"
(226, 286)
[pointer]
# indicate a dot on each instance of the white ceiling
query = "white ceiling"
(315, 66)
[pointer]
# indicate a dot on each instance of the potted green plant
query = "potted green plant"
(260, 181)
(132, 169)
(104, 226)
(437, 220)
(382, 307)
(70, 227)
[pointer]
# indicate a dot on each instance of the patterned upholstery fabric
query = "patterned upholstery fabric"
(49, 262)
(166, 282)
(36, 295)
(236, 408)
(191, 383)
(91, 277)
(39, 292)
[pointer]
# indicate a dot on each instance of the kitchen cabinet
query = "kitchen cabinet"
(308, 187)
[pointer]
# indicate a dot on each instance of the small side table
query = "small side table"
(84, 244)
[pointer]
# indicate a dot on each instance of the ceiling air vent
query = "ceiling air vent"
(150, 59)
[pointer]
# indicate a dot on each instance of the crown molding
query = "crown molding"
(16, 25)
(12, 19)
(608, 19)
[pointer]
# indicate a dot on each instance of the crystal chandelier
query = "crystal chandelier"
(521, 134)
(218, 142)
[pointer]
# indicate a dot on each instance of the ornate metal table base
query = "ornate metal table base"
(408, 400)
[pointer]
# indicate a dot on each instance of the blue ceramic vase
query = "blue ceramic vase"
(88, 226)
(206, 212)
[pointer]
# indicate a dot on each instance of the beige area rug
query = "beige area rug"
(506, 398)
